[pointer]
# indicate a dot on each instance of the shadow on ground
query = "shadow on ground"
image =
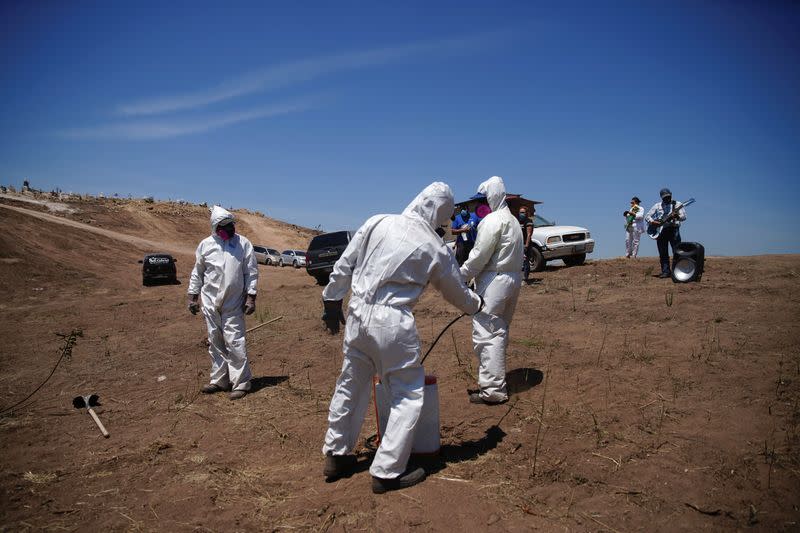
(456, 453)
(522, 379)
(256, 384)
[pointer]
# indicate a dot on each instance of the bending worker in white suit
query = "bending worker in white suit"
(387, 266)
(494, 263)
(224, 279)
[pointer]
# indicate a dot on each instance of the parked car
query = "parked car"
(296, 258)
(261, 254)
(550, 241)
(273, 257)
(158, 267)
(323, 251)
(266, 256)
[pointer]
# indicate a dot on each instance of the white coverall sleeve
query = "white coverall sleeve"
(196, 279)
(250, 267)
(639, 215)
(447, 280)
(649, 217)
(681, 214)
(484, 248)
(342, 275)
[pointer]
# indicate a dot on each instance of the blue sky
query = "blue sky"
(326, 113)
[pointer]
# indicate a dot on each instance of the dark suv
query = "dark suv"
(158, 267)
(323, 252)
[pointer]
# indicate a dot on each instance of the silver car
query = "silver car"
(261, 254)
(273, 257)
(266, 256)
(296, 258)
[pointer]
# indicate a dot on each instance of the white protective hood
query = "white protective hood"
(219, 214)
(434, 204)
(495, 191)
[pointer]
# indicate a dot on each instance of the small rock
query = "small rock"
(492, 519)
(162, 378)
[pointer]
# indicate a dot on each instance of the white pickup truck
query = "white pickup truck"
(549, 241)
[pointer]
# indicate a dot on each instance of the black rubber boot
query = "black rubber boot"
(338, 465)
(407, 479)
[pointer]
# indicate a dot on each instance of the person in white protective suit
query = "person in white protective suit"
(494, 264)
(387, 265)
(224, 280)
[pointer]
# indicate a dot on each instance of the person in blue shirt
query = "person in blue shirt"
(465, 229)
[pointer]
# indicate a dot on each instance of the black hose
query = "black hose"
(440, 335)
(65, 352)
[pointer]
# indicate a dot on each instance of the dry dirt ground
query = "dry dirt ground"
(637, 405)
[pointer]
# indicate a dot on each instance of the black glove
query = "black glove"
(250, 304)
(193, 304)
(625, 213)
(332, 315)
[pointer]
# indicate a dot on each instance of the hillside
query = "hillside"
(637, 404)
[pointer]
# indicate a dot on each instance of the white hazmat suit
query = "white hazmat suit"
(225, 272)
(387, 266)
(494, 263)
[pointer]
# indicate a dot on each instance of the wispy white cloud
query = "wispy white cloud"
(297, 72)
(167, 128)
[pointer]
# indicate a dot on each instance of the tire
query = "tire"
(280, 263)
(574, 260)
(537, 260)
(322, 280)
(294, 264)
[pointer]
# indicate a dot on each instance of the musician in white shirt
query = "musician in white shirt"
(670, 234)
(634, 227)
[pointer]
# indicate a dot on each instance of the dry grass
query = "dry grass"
(42, 478)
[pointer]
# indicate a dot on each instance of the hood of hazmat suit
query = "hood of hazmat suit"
(386, 266)
(434, 205)
(220, 216)
(495, 191)
(499, 246)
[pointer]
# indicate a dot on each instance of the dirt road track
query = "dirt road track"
(138, 241)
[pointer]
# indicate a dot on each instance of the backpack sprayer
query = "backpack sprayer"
(427, 436)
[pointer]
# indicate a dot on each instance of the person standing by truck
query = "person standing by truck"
(526, 225)
(465, 228)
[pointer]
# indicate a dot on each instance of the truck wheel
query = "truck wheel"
(574, 260)
(322, 280)
(537, 260)
(294, 264)
(280, 263)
